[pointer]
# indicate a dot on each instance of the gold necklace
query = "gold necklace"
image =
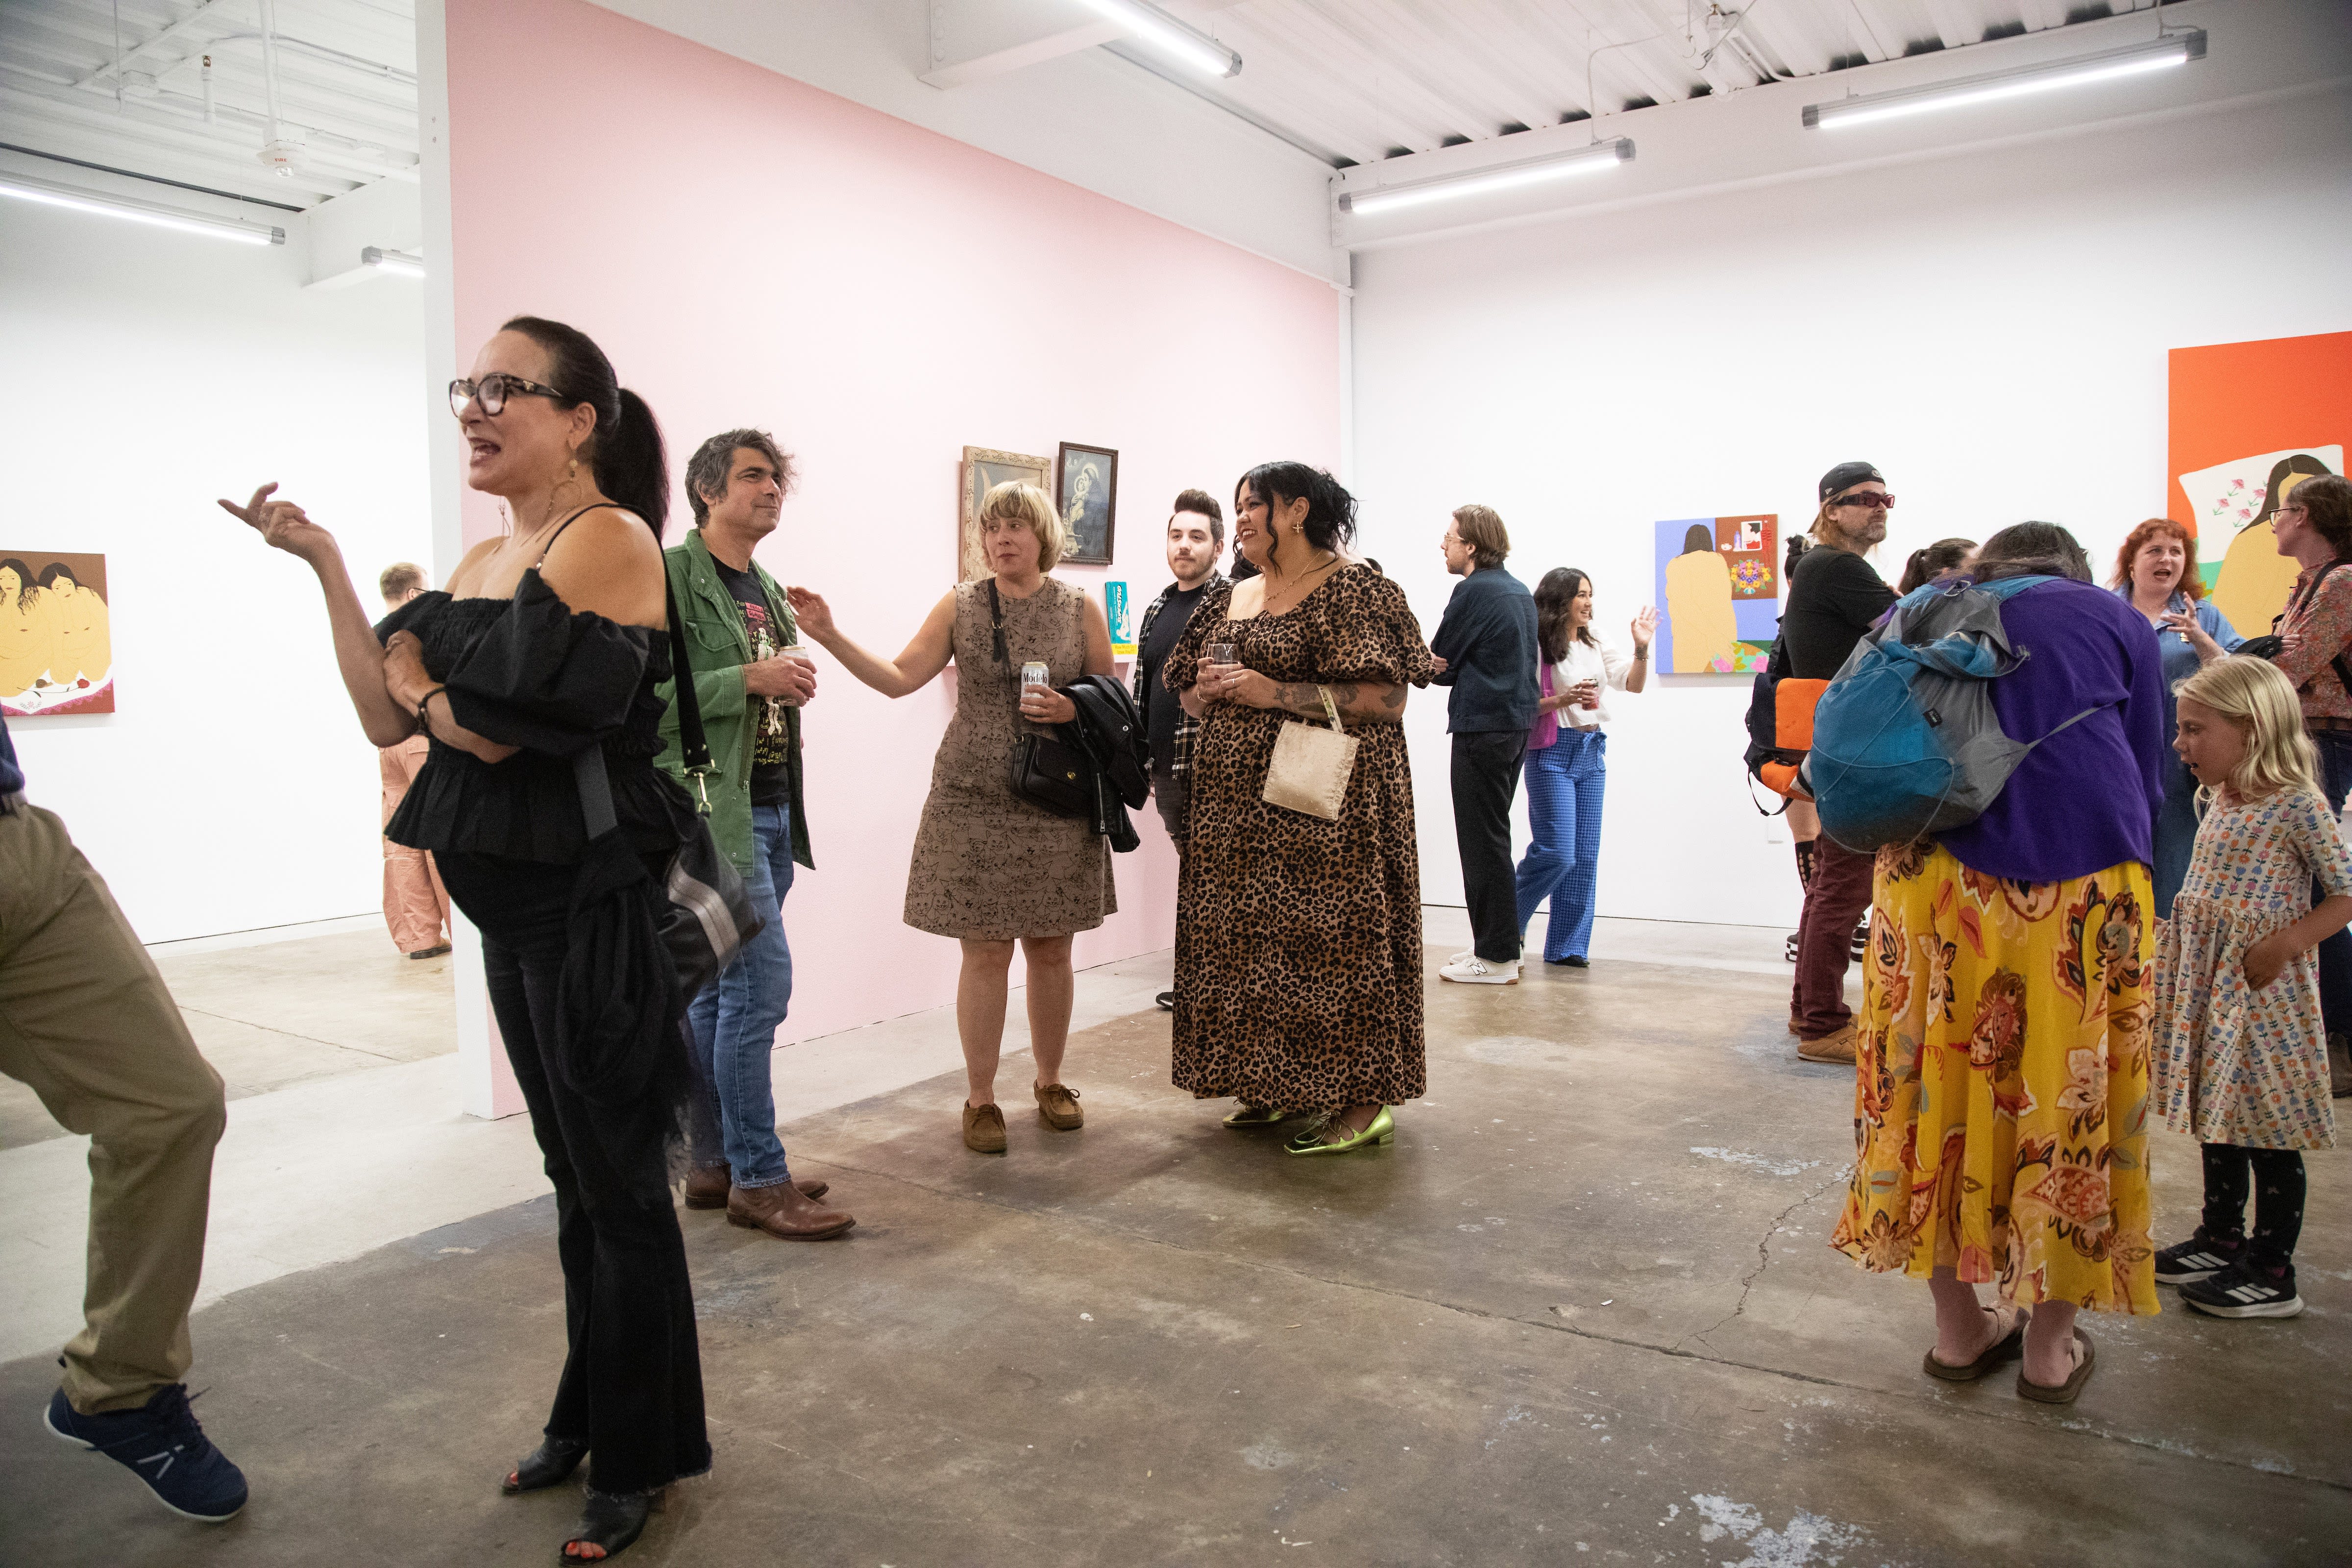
(1265, 605)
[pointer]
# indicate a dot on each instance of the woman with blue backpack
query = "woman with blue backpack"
(2001, 1080)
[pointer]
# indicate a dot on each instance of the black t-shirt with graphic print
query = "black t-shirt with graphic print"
(772, 782)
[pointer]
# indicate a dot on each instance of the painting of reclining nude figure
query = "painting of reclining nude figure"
(56, 652)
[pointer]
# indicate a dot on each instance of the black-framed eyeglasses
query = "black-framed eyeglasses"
(1867, 498)
(493, 390)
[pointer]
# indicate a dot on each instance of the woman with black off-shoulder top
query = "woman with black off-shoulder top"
(549, 640)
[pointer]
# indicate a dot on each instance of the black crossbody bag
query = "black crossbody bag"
(706, 914)
(1040, 769)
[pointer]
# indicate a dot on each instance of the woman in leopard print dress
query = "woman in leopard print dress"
(1298, 941)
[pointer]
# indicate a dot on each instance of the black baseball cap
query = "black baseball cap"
(1845, 476)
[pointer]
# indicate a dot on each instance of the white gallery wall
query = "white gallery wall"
(148, 371)
(1990, 328)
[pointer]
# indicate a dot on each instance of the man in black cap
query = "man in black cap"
(1834, 598)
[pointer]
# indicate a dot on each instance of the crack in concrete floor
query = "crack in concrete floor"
(2166, 1446)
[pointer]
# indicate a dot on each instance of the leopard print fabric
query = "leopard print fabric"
(1298, 941)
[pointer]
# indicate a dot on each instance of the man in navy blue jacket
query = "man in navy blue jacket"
(1486, 648)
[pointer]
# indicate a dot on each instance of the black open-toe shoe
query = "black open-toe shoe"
(607, 1526)
(549, 1464)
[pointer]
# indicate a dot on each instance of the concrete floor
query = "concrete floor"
(1580, 1312)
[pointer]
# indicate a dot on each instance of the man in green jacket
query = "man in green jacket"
(751, 692)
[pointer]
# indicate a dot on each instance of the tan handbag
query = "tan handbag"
(1311, 765)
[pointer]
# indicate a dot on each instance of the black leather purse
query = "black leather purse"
(705, 915)
(1040, 769)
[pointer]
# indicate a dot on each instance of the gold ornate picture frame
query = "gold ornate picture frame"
(984, 468)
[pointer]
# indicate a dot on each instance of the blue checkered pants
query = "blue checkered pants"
(1565, 781)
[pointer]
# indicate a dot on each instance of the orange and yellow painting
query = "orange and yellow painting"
(56, 649)
(2250, 422)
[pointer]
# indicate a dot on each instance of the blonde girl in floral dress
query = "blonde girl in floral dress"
(2000, 1100)
(2240, 1054)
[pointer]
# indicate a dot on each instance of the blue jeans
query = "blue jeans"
(1565, 781)
(2334, 954)
(732, 1114)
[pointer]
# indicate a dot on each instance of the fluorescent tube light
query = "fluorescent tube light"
(2135, 60)
(31, 189)
(1188, 46)
(398, 261)
(1485, 181)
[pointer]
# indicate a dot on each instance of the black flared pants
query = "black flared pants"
(632, 1383)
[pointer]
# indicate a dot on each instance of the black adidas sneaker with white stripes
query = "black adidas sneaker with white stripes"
(2245, 1289)
(2199, 1257)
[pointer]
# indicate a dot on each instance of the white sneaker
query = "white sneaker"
(1471, 970)
(1453, 958)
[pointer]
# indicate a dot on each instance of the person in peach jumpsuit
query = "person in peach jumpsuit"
(415, 905)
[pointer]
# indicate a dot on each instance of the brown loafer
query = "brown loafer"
(1057, 1105)
(707, 1186)
(1837, 1048)
(983, 1128)
(784, 1211)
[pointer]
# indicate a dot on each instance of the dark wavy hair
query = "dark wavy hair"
(2326, 501)
(2033, 550)
(1555, 605)
(711, 469)
(26, 586)
(1331, 510)
(625, 450)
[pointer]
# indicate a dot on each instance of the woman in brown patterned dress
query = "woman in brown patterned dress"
(1297, 939)
(989, 868)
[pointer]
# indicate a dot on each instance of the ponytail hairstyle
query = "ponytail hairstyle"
(1798, 544)
(625, 451)
(2254, 695)
(1555, 607)
(1331, 510)
(1930, 562)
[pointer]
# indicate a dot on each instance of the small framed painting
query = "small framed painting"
(1119, 610)
(56, 640)
(1088, 500)
(984, 469)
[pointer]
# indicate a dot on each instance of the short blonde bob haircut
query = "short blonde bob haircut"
(2253, 695)
(1028, 504)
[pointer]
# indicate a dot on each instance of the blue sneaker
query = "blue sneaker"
(161, 1445)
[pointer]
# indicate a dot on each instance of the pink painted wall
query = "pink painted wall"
(752, 251)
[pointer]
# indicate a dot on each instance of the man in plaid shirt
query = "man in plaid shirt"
(1196, 536)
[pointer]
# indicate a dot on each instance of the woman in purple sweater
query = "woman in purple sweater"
(2002, 1082)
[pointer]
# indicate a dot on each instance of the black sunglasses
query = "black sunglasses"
(1878, 498)
(493, 390)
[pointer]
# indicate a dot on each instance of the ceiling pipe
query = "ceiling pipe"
(279, 154)
(168, 34)
(210, 118)
(317, 51)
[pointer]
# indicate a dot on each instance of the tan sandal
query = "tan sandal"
(2006, 1346)
(2064, 1393)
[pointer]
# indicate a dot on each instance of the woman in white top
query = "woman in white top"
(1566, 764)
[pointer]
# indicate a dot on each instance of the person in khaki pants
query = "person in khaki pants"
(86, 1022)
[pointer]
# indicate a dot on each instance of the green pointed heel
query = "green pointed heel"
(1256, 1116)
(1381, 1131)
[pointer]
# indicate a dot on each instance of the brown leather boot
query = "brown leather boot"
(784, 1211)
(707, 1186)
(1836, 1049)
(984, 1128)
(1057, 1104)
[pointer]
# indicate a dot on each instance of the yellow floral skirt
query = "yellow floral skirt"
(2002, 1082)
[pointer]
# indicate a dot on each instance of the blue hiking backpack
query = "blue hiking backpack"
(1905, 740)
